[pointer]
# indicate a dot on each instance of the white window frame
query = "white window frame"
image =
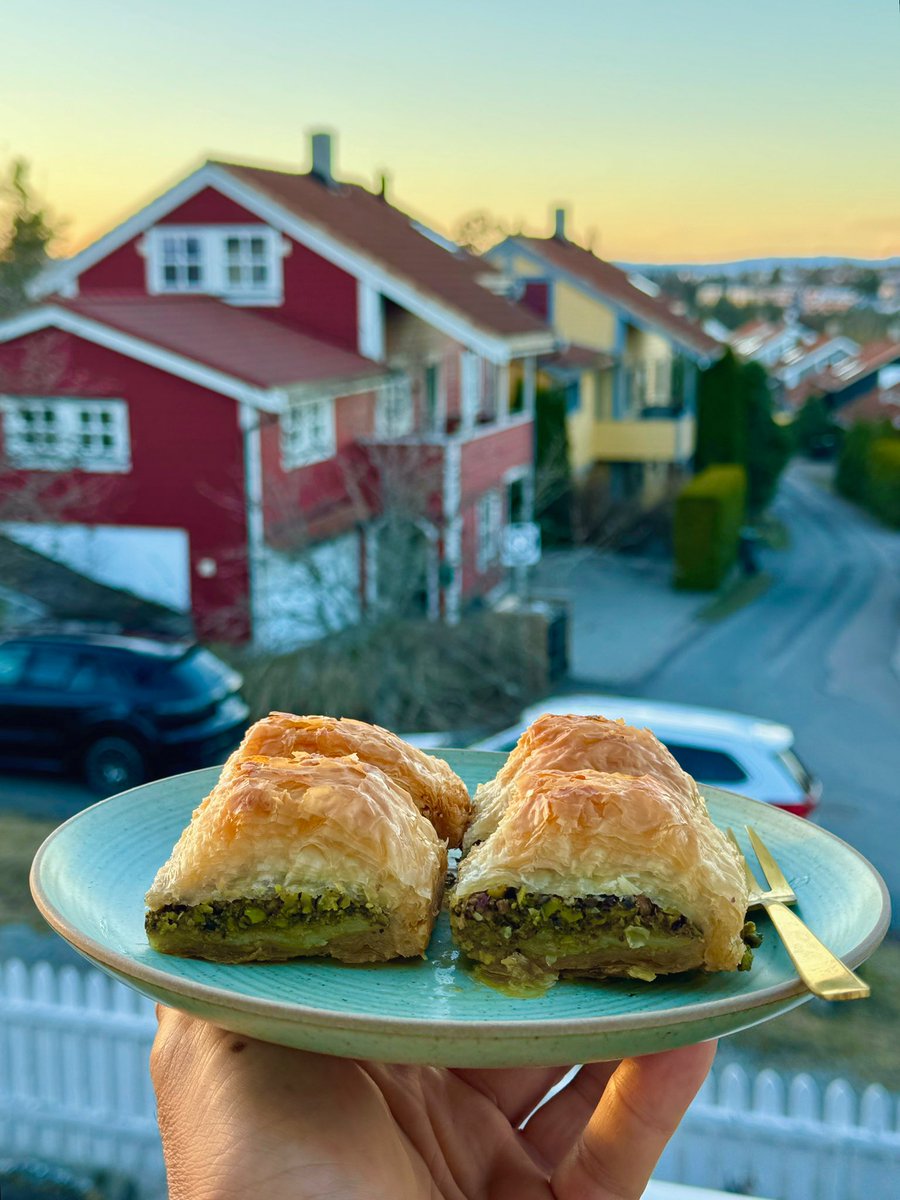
(66, 421)
(395, 415)
(307, 432)
(488, 529)
(470, 388)
(439, 424)
(214, 263)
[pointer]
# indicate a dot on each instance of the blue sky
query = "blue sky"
(674, 129)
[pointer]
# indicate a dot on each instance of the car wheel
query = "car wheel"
(113, 764)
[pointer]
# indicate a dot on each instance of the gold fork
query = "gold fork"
(822, 972)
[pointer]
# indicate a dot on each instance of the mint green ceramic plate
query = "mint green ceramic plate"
(90, 876)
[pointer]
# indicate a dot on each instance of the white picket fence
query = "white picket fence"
(75, 1089)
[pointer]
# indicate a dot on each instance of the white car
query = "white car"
(742, 754)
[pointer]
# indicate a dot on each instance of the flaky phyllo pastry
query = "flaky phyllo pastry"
(301, 856)
(572, 743)
(434, 788)
(616, 872)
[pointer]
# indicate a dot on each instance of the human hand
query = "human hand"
(241, 1118)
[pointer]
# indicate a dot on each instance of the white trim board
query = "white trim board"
(369, 272)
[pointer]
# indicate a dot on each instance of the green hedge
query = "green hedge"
(884, 479)
(709, 513)
(867, 470)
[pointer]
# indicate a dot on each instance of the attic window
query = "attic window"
(240, 263)
(247, 262)
(182, 262)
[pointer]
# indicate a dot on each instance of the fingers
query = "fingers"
(638, 1112)
(556, 1126)
(515, 1092)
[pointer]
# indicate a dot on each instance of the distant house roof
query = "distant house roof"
(577, 358)
(835, 379)
(870, 357)
(233, 340)
(615, 285)
(877, 405)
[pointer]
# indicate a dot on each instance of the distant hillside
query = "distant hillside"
(763, 264)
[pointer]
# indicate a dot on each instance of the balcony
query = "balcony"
(655, 435)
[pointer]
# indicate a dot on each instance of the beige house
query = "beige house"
(627, 362)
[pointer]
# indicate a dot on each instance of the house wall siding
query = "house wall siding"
(319, 298)
(326, 496)
(579, 319)
(186, 463)
(484, 462)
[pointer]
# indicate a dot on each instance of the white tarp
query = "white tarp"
(149, 562)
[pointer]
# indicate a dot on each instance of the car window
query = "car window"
(199, 671)
(708, 766)
(95, 675)
(12, 660)
(50, 667)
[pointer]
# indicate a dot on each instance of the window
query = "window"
(55, 433)
(181, 262)
(490, 400)
(247, 262)
(433, 399)
(307, 432)
(237, 262)
(707, 766)
(50, 667)
(12, 661)
(470, 399)
(489, 524)
(394, 413)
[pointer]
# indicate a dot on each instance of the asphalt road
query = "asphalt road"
(815, 651)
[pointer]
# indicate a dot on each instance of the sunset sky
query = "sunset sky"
(674, 130)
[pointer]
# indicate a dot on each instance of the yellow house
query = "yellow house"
(628, 364)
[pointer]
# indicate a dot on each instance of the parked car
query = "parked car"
(749, 755)
(119, 710)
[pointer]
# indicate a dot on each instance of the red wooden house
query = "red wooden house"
(273, 400)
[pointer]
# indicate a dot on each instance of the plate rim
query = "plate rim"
(125, 966)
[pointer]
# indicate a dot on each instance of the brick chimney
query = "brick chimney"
(559, 224)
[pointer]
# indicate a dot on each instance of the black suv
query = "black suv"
(118, 709)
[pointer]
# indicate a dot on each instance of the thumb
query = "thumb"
(641, 1108)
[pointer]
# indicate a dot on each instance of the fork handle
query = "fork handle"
(822, 972)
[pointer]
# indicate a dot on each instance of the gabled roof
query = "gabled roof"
(356, 230)
(387, 235)
(234, 340)
(229, 350)
(614, 284)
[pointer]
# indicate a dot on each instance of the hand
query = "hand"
(242, 1118)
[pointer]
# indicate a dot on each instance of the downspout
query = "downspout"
(249, 419)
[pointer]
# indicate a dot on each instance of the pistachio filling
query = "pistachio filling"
(556, 929)
(300, 917)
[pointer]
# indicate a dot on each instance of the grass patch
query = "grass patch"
(736, 596)
(856, 1039)
(20, 837)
